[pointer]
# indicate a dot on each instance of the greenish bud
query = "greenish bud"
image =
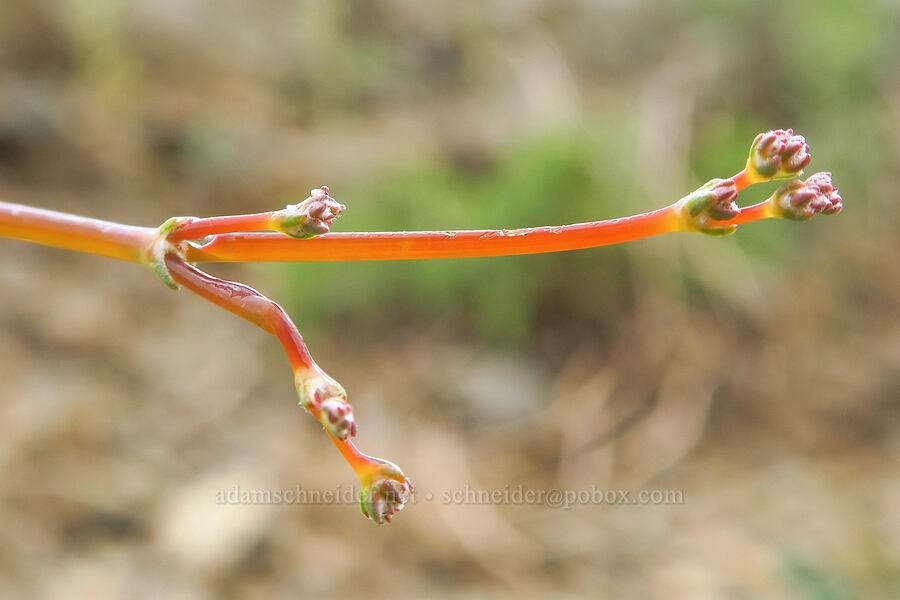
(708, 209)
(798, 200)
(314, 216)
(325, 399)
(386, 490)
(778, 154)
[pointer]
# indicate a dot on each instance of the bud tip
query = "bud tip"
(314, 216)
(325, 399)
(386, 490)
(798, 200)
(778, 154)
(705, 209)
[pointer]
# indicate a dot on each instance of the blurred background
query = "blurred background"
(758, 375)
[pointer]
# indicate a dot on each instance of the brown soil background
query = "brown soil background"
(771, 403)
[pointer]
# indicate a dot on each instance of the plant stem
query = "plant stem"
(743, 180)
(248, 303)
(756, 212)
(129, 243)
(360, 462)
(72, 232)
(201, 228)
(268, 247)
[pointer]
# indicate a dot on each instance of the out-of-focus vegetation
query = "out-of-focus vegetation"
(758, 373)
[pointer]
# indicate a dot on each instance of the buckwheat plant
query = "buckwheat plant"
(301, 232)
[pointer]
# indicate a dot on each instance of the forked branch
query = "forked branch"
(171, 249)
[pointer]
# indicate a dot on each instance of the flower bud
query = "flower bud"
(314, 216)
(337, 415)
(703, 210)
(386, 490)
(777, 154)
(798, 200)
(325, 399)
(830, 201)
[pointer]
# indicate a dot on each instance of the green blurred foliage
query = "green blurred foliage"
(815, 581)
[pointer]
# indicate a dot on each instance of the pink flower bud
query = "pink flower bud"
(830, 201)
(386, 490)
(800, 200)
(703, 210)
(325, 399)
(338, 416)
(778, 154)
(314, 216)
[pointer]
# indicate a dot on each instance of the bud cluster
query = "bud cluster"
(386, 490)
(798, 200)
(325, 399)
(314, 216)
(777, 154)
(703, 210)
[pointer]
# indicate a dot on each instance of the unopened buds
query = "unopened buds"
(385, 491)
(776, 155)
(325, 399)
(798, 200)
(829, 201)
(337, 416)
(314, 216)
(703, 210)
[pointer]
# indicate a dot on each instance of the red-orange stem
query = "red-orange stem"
(269, 247)
(129, 243)
(757, 212)
(245, 302)
(743, 180)
(351, 454)
(201, 228)
(72, 232)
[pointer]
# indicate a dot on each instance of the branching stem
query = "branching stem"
(233, 240)
(171, 249)
(409, 245)
(201, 228)
(247, 303)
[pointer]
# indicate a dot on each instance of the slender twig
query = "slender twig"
(247, 303)
(385, 487)
(323, 397)
(314, 216)
(73, 232)
(129, 243)
(171, 248)
(407, 245)
(195, 229)
(743, 180)
(756, 212)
